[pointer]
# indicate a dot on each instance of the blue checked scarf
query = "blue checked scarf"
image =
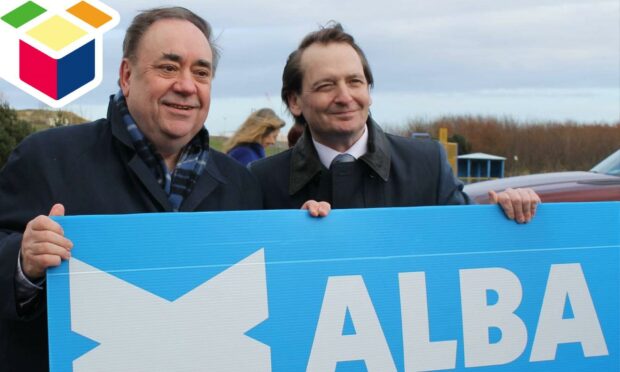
(179, 182)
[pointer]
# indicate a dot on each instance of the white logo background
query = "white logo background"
(9, 45)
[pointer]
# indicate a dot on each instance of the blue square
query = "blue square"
(76, 69)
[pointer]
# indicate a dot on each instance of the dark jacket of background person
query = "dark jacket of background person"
(395, 172)
(247, 153)
(91, 169)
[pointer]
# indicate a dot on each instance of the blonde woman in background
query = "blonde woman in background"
(258, 132)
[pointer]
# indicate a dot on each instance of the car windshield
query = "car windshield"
(611, 165)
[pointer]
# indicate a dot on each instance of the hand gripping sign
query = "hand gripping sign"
(52, 49)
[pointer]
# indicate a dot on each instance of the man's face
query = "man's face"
(334, 96)
(168, 83)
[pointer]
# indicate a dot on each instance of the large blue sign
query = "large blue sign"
(400, 289)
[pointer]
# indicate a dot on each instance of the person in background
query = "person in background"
(294, 133)
(259, 131)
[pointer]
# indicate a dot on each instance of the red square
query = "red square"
(38, 70)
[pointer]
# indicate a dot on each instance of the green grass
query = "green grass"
(216, 142)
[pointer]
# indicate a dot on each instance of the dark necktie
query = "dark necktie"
(342, 158)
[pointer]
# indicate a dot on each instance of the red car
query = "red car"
(601, 183)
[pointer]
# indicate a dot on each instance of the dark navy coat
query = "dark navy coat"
(247, 152)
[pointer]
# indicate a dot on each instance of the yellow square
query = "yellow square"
(56, 33)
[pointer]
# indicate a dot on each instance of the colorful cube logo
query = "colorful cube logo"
(53, 49)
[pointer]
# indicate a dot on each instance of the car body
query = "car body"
(601, 183)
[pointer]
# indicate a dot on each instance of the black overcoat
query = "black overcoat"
(395, 172)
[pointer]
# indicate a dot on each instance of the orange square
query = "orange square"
(89, 14)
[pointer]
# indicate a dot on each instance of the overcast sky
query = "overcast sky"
(527, 59)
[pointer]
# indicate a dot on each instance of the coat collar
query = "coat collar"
(305, 163)
(379, 153)
(116, 121)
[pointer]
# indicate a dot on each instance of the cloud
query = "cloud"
(537, 46)
(415, 48)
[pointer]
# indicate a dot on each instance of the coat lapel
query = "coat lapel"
(210, 179)
(305, 163)
(150, 183)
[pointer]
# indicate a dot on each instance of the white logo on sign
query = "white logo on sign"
(202, 330)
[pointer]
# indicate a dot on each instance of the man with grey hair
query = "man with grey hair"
(344, 158)
(151, 154)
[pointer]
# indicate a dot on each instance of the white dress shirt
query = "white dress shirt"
(327, 154)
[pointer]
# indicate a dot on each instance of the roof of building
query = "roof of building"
(481, 156)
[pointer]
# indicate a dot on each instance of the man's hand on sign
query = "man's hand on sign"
(518, 204)
(44, 244)
(317, 209)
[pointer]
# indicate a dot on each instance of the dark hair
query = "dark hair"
(292, 76)
(294, 133)
(145, 19)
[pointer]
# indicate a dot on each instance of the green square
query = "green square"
(23, 14)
